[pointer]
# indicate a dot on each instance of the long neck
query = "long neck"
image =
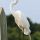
(12, 5)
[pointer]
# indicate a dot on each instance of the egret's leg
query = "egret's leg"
(19, 34)
(23, 33)
(29, 37)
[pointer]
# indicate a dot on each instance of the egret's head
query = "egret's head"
(17, 14)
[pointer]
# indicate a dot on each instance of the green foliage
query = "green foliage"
(10, 21)
(34, 26)
(14, 33)
(36, 36)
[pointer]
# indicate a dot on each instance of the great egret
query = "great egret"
(22, 22)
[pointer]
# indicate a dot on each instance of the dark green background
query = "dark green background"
(14, 33)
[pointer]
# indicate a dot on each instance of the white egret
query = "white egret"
(22, 22)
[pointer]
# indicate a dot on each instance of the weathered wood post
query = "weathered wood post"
(3, 25)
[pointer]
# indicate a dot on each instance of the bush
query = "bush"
(36, 36)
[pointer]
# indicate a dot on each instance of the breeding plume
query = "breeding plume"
(22, 22)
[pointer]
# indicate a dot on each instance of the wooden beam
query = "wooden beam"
(3, 25)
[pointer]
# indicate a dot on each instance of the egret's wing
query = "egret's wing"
(23, 24)
(26, 26)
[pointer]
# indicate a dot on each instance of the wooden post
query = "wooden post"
(3, 25)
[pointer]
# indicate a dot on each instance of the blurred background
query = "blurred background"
(14, 33)
(31, 10)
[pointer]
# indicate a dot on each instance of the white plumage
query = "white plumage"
(22, 22)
